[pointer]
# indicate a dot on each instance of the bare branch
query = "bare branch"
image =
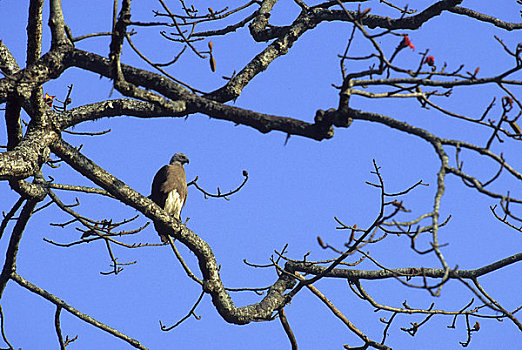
(86, 318)
(9, 215)
(410, 271)
(34, 32)
(57, 24)
(190, 313)
(219, 194)
(2, 329)
(182, 261)
(288, 330)
(57, 327)
(485, 18)
(12, 250)
(339, 315)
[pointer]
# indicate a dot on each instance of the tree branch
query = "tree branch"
(183, 102)
(12, 250)
(287, 328)
(407, 271)
(485, 18)
(84, 317)
(34, 32)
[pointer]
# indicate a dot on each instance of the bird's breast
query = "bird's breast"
(173, 204)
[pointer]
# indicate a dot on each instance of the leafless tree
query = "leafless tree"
(34, 148)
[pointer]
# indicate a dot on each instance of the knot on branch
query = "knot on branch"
(209, 287)
(325, 120)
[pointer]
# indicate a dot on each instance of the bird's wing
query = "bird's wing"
(157, 193)
(175, 181)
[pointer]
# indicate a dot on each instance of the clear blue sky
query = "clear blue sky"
(293, 193)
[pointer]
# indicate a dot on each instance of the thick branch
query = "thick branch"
(13, 123)
(27, 158)
(34, 32)
(57, 25)
(320, 14)
(258, 27)
(114, 108)
(8, 64)
(22, 83)
(410, 22)
(191, 103)
(406, 271)
(258, 64)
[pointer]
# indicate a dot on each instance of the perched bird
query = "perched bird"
(169, 188)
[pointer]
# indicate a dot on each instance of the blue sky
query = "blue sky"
(293, 193)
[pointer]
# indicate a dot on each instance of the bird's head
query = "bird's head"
(180, 158)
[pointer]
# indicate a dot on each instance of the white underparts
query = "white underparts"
(173, 204)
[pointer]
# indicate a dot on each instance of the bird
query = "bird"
(169, 189)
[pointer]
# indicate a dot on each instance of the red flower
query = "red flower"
(49, 99)
(406, 42)
(430, 61)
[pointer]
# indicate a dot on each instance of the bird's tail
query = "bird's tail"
(161, 232)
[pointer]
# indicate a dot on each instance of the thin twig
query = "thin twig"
(57, 327)
(84, 317)
(2, 329)
(10, 215)
(190, 313)
(287, 328)
(182, 261)
(342, 317)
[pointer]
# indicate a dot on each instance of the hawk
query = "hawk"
(169, 188)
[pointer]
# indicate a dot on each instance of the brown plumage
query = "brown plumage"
(169, 188)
